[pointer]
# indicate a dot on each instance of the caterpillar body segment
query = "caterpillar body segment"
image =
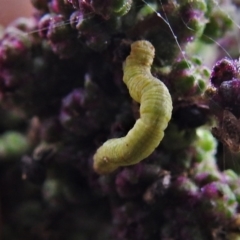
(155, 113)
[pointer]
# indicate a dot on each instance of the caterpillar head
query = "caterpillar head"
(142, 53)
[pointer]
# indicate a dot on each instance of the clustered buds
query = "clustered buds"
(62, 96)
(224, 91)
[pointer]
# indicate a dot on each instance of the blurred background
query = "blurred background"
(11, 9)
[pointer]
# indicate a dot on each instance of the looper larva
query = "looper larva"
(155, 113)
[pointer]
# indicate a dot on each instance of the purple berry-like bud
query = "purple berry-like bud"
(54, 6)
(204, 178)
(60, 6)
(190, 78)
(58, 30)
(192, 13)
(218, 201)
(224, 92)
(211, 191)
(14, 45)
(44, 23)
(224, 70)
(111, 8)
(76, 19)
(60, 35)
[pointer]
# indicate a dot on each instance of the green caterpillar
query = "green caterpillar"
(155, 113)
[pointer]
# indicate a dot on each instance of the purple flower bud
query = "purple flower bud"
(60, 6)
(61, 37)
(14, 45)
(44, 23)
(58, 30)
(211, 191)
(218, 201)
(76, 19)
(224, 70)
(107, 8)
(192, 13)
(204, 178)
